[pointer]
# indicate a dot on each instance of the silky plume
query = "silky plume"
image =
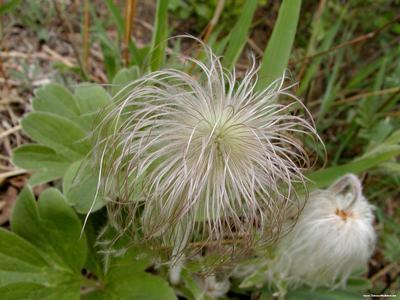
(333, 238)
(203, 159)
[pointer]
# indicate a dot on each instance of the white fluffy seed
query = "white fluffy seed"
(334, 237)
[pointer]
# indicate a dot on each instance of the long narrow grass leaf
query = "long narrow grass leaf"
(332, 86)
(322, 178)
(240, 34)
(159, 42)
(276, 55)
(314, 66)
(116, 16)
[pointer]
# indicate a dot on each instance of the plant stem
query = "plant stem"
(86, 24)
(210, 27)
(130, 10)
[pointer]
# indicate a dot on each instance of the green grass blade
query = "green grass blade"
(276, 55)
(217, 43)
(379, 84)
(312, 69)
(361, 77)
(322, 178)
(159, 42)
(111, 55)
(117, 17)
(332, 87)
(240, 33)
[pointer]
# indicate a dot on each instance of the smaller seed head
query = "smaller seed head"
(334, 237)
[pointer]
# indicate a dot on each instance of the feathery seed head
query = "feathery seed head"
(334, 237)
(202, 159)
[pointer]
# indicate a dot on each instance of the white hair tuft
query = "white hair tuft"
(334, 237)
(202, 159)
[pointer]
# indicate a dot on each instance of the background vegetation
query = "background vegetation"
(345, 58)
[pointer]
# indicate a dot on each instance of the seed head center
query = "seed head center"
(344, 215)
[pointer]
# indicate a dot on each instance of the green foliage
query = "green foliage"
(126, 279)
(32, 15)
(202, 11)
(159, 42)
(51, 225)
(116, 16)
(60, 123)
(44, 255)
(80, 186)
(55, 123)
(8, 6)
(239, 34)
(110, 47)
(328, 37)
(148, 57)
(123, 77)
(56, 99)
(276, 55)
(46, 128)
(324, 177)
(111, 54)
(389, 237)
(47, 164)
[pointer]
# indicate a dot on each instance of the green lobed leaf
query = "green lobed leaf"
(126, 280)
(60, 125)
(55, 98)
(91, 98)
(43, 257)
(94, 226)
(26, 274)
(41, 177)
(80, 185)
(37, 157)
(47, 164)
(277, 53)
(58, 133)
(52, 225)
(123, 77)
